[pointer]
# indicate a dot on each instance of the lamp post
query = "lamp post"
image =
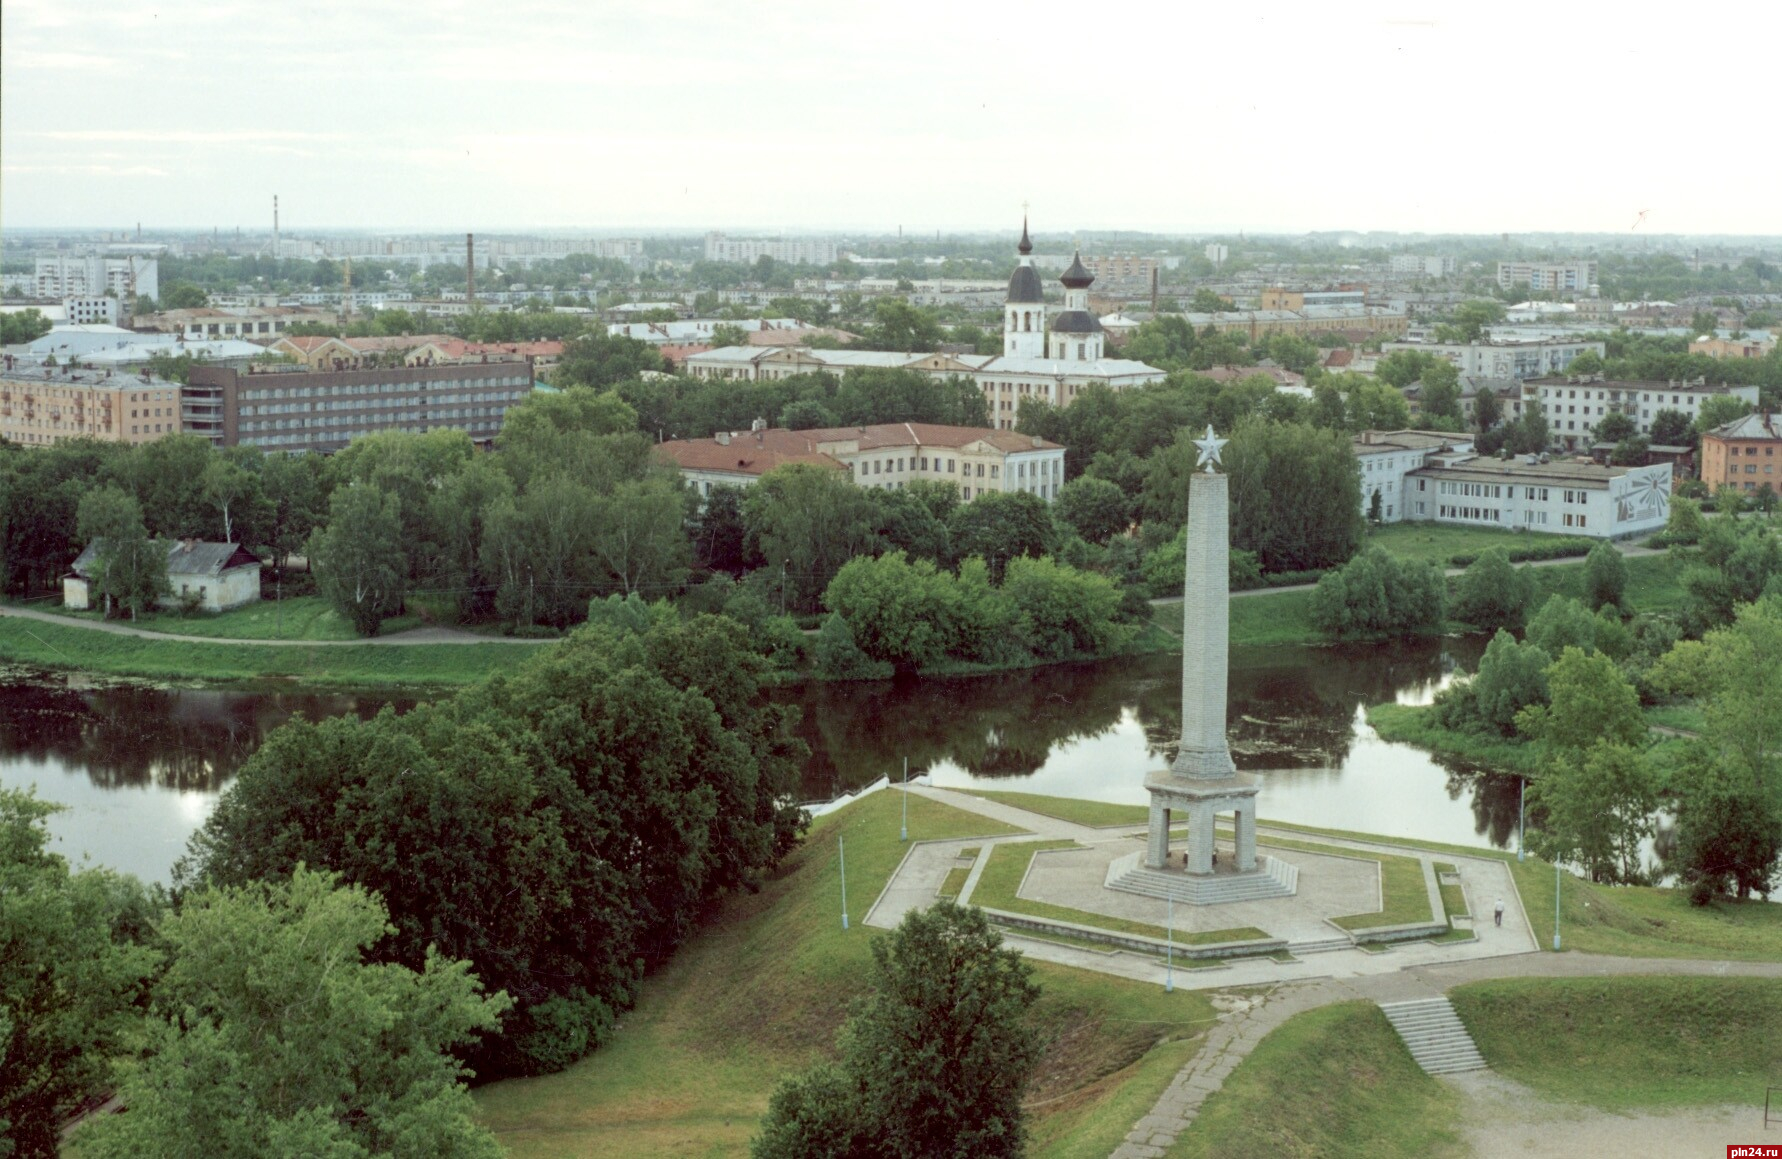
(904, 833)
(1521, 813)
(842, 848)
(1556, 907)
(1169, 932)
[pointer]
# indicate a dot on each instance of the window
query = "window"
(980, 470)
(877, 467)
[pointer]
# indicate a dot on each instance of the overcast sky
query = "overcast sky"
(794, 114)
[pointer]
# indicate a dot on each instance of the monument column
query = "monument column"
(1206, 628)
(1157, 848)
(1200, 837)
(1245, 824)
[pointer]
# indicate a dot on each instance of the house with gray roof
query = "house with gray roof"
(214, 577)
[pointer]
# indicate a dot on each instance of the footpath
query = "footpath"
(409, 638)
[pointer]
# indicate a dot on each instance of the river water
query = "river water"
(141, 768)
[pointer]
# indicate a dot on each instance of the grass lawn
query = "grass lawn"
(1415, 724)
(1631, 921)
(955, 881)
(1264, 618)
(1438, 542)
(1008, 865)
(1453, 896)
(364, 665)
(760, 992)
(1068, 808)
(1332, 1081)
(1631, 1043)
(297, 618)
(1687, 717)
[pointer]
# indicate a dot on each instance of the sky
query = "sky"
(795, 115)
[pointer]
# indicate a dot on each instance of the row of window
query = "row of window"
(479, 416)
(340, 390)
(1751, 451)
(1750, 469)
(370, 403)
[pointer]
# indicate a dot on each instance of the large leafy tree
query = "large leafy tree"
(358, 558)
(897, 612)
(935, 1062)
(598, 360)
(1000, 526)
(278, 1036)
(1094, 508)
(129, 570)
(1377, 594)
(1493, 593)
(637, 533)
(1595, 806)
(806, 522)
(74, 969)
(1605, 577)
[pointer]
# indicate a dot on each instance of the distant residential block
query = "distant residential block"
(1576, 404)
(1578, 275)
(815, 251)
(42, 405)
(1506, 357)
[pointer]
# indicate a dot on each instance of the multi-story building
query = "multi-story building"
(1122, 268)
(41, 405)
(86, 309)
(1751, 346)
(299, 410)
(1424, 267)
(91, 274)
(1281, 298)
(885, 455)
(1506, 357)
(254, 322)
(1577, 275)
(1572, 497)
(1370, 321)
(794, 251)
(1216, 253)
(1386, 457)
(1745, 453)
(315, 352)
(1574, 406)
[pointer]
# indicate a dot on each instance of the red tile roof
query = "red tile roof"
(757, 452)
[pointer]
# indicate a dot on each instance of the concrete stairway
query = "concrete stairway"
(1319, 946)
(1437, 1038)
(1273, 878)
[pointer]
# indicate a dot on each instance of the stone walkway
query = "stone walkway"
(1239, 1031)
(400, 639)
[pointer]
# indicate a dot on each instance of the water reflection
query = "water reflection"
(139, 767)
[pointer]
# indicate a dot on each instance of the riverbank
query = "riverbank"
(86, 648)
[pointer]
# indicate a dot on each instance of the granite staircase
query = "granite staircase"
(1438, 1039)
(1273, 878)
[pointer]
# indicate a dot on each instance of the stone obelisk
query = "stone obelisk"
(1203, 782)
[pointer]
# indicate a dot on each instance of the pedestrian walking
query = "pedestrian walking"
(1497, 914)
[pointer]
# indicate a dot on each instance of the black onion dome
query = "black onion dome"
(1075, 322)
(1024, 285)
(1076, 278)
(1026, 246)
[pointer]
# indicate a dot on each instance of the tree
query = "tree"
(897, 325)
(1094, 508)
(1061, 611)
(1562, 622)
(1729, 830)
(719, 534)
(1487, 410)
(1720, 409)
(1295, 492)
(1684, 525)
(1206, 301)
(999, 526)
(277, 1035)
(1493, 593)
(897, 612)
(1472, 318)
(907, 519)
(933, 1064)
(74, 967)
(1615, 428)
(1511, 677)
(636, 532)
(27, 325)
(184, 296)
(1705, 323)
(1403, 367)
(1589, 701)
(128, 570)
(1378, 594)
(1587, 362)
(808, 414)
(228, 485)
(1595, 806)
(358, 558)
(1441, 390)
(729, 335)
(806, 522)
(1670, 428)
(1605, 577)
(599, 360)
(1735, 673)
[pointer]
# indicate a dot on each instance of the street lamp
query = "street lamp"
(1169, 932)
(842, 848)
(904, 833)
(1556, 906)
(1521, 814)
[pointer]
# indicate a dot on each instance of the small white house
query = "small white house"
(220, 575)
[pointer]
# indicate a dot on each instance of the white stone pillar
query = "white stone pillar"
(1206, 629)
(1157, 847)
(1245, 825)
(1200, 837)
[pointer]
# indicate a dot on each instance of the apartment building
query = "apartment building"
(1750, 346)
(298, 410)
(1505, 357)
(1368, 321)
(1122, 268)
(1575, 405)
(1418, 265)
(261, 323)
(884, 455)
(1744, 453)
(795, 251)
(90, 275)
(1576, 275)
(42, 405)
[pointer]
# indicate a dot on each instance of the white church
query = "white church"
(1052, 356)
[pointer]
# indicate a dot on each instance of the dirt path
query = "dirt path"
(1505, 1120)
(400, 639)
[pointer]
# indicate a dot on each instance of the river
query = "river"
(141, 767)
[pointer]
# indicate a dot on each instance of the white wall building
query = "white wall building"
(1386, 457)
(1421, 266)
(1570, 498)
(102, 309)
(1574, 406)
(91, 274)
(1579, 275)
(815, 251)
(1506, 358)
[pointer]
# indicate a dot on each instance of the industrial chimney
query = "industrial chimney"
(470, 268)
(275, 253)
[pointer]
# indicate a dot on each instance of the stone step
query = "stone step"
(1435, 1035)
(1273, 878)
(1322, 946)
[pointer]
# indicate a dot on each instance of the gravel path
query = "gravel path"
(1505, 1120)
(398, 640)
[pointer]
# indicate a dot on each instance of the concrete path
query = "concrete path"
(1237, 1034)
(400, 639)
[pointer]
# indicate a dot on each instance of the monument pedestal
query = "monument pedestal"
(1201, 799)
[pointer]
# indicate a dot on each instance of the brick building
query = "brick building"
(1743, 453)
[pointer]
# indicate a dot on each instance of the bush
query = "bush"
(1540, 549)
(1605, 577)
(1376, 594)
(1493, 593)
(840, 658)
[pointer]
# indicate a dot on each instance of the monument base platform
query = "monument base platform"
(1271, 878)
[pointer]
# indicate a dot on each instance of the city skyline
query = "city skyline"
(545, 115)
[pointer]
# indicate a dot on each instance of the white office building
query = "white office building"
(747, 251)
(1576, 276)
(1386, 457)
(1505, 357)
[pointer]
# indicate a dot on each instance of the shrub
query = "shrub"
(1493, 593)
(1376, 594)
